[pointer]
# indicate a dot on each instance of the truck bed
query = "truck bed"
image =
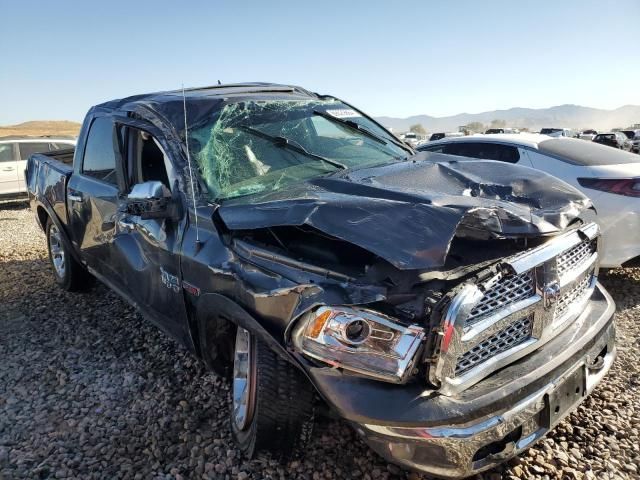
(46, 178)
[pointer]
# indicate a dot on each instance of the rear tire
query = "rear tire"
(276, 415)
(67, 272)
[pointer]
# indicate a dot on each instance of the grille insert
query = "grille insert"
(574, 257)
(508, 290)
(515, 334)
(575, 295)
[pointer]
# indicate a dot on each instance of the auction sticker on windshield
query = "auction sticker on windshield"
(343, 113)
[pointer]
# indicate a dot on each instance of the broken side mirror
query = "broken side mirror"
(153, 200)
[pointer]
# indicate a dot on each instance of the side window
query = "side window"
(28, 149)
(463, 149)
(99, 153)
(60, 146)
(6, 152)
(485, 151)
(432, 148)
(503, 153)
(145, 159)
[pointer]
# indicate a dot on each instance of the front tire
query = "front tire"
(272, 401)
(67, 272)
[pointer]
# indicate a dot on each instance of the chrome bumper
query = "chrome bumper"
(462, 449)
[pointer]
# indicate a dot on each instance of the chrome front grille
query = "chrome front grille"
(515, 334)
(576, 256)
(508, 290)
(489, 325)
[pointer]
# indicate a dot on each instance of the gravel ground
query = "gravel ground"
(90, 390)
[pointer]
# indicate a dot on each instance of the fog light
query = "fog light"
(402, 451)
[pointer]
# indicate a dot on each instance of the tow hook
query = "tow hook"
(597, 363)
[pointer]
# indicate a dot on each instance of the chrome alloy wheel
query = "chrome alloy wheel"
(57, 251)
(243, 379)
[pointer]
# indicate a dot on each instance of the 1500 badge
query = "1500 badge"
(172, 282)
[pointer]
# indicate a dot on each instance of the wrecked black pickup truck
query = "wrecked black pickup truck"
(448, 310)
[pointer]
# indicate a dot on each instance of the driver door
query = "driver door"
(147, 251)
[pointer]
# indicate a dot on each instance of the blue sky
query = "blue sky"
(388, 58)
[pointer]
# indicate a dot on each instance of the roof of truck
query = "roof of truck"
(203, 103)
(213, 91)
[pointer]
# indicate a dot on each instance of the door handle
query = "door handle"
(8, 169)
(74, 197)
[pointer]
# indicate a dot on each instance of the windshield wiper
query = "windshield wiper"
(284, 142)
(359, 128)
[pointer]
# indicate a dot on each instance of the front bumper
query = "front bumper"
(489, 422)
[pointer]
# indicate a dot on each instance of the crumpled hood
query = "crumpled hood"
(408, 213)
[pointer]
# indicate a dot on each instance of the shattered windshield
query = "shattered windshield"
(259, 146)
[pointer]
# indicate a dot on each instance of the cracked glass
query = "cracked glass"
(260, 146)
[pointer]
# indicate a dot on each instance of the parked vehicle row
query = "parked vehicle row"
(447, 308)
(14, 152)
(623, 139)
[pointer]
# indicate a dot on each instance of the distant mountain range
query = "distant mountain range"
(566, 116)
(38, 128)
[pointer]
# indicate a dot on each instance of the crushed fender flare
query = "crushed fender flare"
(215, 305)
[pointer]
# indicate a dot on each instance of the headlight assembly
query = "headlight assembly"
(362, 341)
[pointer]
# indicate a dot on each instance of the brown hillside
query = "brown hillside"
(38, 128)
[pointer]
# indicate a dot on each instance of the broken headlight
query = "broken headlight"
(361, 341)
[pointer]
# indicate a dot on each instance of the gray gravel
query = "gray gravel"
(90, 390)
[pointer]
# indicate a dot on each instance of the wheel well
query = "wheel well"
(43, 216)
(216, 334)
(222, 324)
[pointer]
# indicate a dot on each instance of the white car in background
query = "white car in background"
(587, 135)
(610, 177)
(412, 138)
(558, 132)
(14, 152)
